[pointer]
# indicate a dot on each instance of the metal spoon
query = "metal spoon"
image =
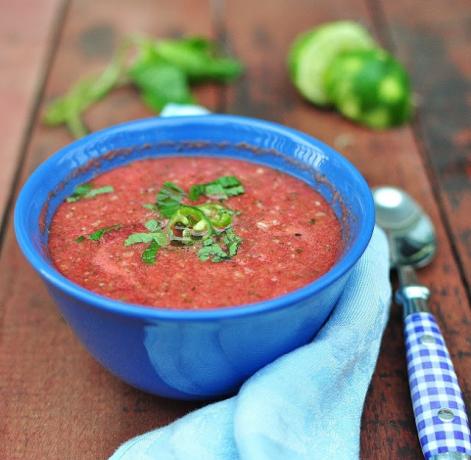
(439, 409)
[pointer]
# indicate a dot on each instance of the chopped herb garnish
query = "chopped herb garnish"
(169, 198)
(95, 236)
(208, 224)
(136, 238)
(212, 250)
(196, 191)
(87, 191)
(221, 189)
(155, 234)
(156, 238)
(232, 241)
(152, 225)
(98, 234)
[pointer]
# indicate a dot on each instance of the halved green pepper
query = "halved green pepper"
(219, 216)
(192, 222)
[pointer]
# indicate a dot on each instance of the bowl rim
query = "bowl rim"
(130, 310)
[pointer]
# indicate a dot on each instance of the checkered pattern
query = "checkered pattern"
(434, 388)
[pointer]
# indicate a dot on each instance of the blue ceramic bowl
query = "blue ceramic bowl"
(207, 353)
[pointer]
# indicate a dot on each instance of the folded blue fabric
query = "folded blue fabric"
(306, 404)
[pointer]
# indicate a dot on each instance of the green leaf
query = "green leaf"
(162, 72)
(99, 191)
(152, 225)
(86, 191)
(196, 191)
(169, 198)
(96, 236)
(232, 242)
(211, 250)
(151, 206)
(69, 108)
(215, 191)
(221, 188)
(198, 58)
(136, 238)
(160, 83)
(157, 235)
(160, 238)
(150, 254)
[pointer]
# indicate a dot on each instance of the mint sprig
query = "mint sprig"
(162, 71)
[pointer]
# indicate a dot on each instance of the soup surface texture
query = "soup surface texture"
(289, 236)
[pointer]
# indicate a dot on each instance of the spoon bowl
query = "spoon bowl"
(410, 231)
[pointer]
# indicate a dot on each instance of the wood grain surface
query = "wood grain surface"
(435, 45)
(57, 402)
(26, 33)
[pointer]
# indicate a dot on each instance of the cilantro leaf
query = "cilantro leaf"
(222, 188)
(87, 191)
(169, 198)
(150, 254)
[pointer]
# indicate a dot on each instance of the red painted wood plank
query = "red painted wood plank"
(26, 31)
(261, 40)
(435, 45)
(57, 402)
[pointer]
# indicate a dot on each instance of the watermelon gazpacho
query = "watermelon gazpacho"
(194, 232)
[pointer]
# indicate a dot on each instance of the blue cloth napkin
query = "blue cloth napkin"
(306, 404)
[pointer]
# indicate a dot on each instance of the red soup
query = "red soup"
(194, 232)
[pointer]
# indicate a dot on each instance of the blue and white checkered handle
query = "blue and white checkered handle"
(439, 409)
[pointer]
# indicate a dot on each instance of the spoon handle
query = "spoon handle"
(439, 409)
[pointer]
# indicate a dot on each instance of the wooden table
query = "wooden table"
(56, 401)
